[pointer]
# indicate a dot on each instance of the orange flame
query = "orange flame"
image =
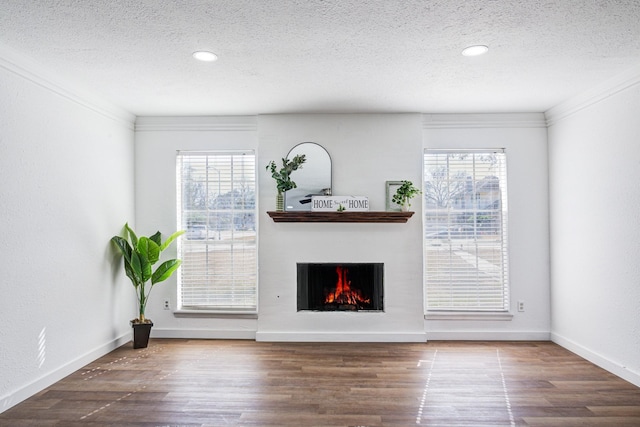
(343, 294)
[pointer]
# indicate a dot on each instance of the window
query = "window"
(217, 209)
(465, 226)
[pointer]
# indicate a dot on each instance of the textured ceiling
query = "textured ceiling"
(327, 55)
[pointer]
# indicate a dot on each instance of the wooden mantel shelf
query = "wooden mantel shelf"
(306, 216)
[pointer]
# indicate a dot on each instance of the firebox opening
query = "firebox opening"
(340, 286)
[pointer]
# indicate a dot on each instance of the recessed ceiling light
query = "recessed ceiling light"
(203, 55)
(475, 50)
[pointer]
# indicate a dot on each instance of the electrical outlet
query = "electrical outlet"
(166, 305)
(521, 306)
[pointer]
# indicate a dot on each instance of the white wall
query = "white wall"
(66, 186)
(366, 150)
(157, 141)
(525, 140)
(595, 246)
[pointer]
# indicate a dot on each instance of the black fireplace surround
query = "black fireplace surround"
(340, 286)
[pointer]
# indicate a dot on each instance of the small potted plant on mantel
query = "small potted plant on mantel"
(140, 254)
(404, 194)
(283, 177)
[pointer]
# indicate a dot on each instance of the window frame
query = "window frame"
(249, 310)
(470, 312)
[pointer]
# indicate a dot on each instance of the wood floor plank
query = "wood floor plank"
(246, 383)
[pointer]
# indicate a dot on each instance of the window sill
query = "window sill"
(234, 314)
(468, 315)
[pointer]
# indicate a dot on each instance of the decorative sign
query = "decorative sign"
(339, 204)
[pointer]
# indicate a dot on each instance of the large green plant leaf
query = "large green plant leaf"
(149, 249)
(157, 238)
(144, 250)
(170, 239)
(165, 270)
(136, 268)
(123, 246)
(131, 274)
(145, 266)
(132, 235)
(126, 251)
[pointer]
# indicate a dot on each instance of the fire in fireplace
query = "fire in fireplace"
(340, 286)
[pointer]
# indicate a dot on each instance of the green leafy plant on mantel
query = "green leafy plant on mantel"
(140, 254)
(404, 194)
(283, 176)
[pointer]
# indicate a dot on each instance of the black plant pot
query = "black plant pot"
(141, 332)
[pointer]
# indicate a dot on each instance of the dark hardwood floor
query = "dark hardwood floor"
(247, 383)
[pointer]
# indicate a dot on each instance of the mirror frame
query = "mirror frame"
(299, 189)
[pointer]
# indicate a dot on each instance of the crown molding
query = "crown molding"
(597, 94)
(489, 120)
(29, 70)
(196, 123)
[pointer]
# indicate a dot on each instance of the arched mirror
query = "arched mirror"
(313, 179)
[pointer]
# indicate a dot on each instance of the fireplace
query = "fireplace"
(340, 286)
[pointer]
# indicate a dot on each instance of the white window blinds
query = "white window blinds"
(465, 219)
(217, 208)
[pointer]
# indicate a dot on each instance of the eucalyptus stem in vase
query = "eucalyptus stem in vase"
(283, 176)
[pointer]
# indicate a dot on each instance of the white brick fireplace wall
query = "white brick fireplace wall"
(366, 151)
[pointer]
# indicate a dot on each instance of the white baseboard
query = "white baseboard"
(203, 334)
(597, 359)
(52, 377)
(341, 337)
(488, 336)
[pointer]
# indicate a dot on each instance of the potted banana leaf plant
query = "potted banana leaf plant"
(140, 255)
